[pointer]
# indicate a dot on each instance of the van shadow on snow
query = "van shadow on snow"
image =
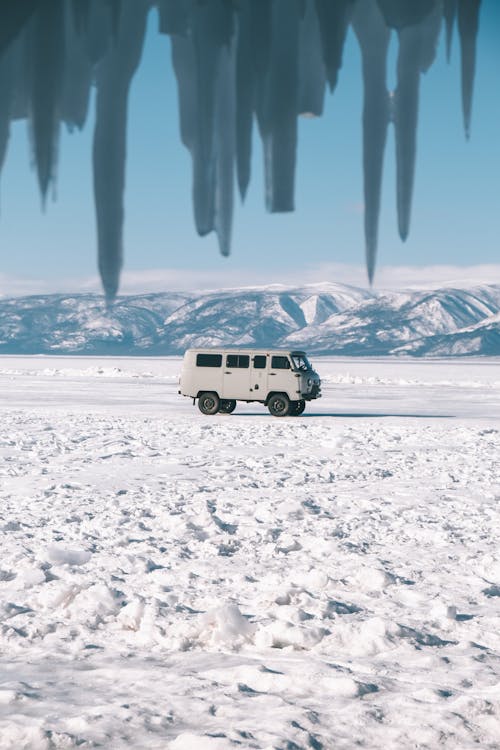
(349, 415)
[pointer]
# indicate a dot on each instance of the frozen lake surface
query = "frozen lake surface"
(170, 580)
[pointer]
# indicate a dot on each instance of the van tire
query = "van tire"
(297, 407)
(279, 405)
(227, 406)
(208, 403)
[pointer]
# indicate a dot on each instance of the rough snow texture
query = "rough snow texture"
(234, 62)
(327, 581)
(326, 318)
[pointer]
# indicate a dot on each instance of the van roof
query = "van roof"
(244, 350)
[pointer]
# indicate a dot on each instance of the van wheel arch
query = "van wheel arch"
(274, 393)
(279, 405)
(208, 402)
(200, 393)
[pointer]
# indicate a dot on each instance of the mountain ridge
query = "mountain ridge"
(325, 318)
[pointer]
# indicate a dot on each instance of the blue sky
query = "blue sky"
(455, 220)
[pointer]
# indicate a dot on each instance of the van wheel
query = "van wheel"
(279, 405)
(297, 407)
(208, 403)
(227, 406)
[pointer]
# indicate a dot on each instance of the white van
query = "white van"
(281, 380)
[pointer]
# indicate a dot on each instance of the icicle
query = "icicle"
(80, 11)
(225, 148)
(373, 37)
(6, 98)
(252, 63)
(245, 96)
(185, 73)
(98, 30)
(468, 24)
(232, 58)
(405, 121)
(14, 16)
(206, 55)
(398, 14)
(173, 17)
(196, 61)
(114, 75)
(198, 140)
(431, 29)
(333, 21)
(22, 67)
(77, 75)
(277, 107)
(47, 74)
(115, 7)
(417, 48)
(312, 77)
(449, 14)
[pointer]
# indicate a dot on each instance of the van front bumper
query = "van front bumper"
(315, 392)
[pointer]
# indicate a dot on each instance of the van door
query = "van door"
(236, 376)
(258, 377)
(281, 376)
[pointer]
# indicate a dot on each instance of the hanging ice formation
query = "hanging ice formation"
(235, 62)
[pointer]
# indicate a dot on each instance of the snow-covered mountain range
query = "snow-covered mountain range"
(321, 318)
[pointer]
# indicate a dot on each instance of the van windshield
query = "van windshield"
(300, 362)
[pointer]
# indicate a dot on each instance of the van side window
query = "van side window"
(237, 360)
(280, 363)
(259, 362)
(208, 360)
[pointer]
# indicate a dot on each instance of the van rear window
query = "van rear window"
(237, 360)
(280, 363)
(208, 360)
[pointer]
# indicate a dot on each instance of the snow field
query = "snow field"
(169, 580)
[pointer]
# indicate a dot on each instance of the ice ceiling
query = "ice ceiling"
(235, 61)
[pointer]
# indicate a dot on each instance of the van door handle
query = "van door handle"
(272, 373)
(227, 373)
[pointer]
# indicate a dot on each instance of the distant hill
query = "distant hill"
(321, 318)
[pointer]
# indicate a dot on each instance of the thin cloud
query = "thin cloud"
(183, 279)
(436, 276)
